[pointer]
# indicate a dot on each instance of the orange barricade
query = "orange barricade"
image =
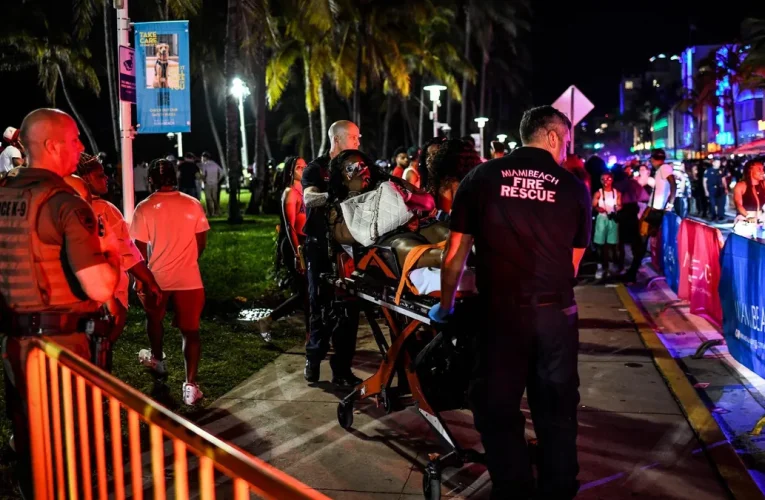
(77, 412)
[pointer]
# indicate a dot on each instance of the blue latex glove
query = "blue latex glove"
(439, 314)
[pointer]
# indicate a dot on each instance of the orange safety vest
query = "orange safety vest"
(32, 277)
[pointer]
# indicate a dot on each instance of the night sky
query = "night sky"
(592, 43)
(586, 43)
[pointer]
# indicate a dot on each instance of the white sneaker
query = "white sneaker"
(599, 272)
(191, 393)
(148, 360)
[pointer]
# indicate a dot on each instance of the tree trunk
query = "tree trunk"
(307, 78)
(85, 128)
(405, 111)
(482, 101)
(259, 72)
(111, 69)
(357, 82)
(386, 126)
(211, 119)
(323, 121)
(448, 108)
(231, 66)
(733, 119)
(466, 54)
(422, 114)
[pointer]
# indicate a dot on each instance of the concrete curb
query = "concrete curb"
(720, 452)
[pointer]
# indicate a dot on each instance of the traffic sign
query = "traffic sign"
(573, 104)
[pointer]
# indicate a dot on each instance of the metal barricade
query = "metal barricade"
(77, 412)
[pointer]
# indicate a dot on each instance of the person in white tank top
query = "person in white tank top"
(607, 201)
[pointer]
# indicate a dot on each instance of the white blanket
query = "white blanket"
(371, 215)
(428, 280)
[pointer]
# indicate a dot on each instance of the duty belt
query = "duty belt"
(20, 325)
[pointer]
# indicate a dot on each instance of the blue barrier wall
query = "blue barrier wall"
(742, 292)
(670, 227)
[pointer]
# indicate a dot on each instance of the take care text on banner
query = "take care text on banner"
(162, 77)
(742, 292)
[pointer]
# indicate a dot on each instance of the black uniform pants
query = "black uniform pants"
(531, 347)
(330, 318)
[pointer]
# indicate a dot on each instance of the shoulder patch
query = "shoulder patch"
(86, 218)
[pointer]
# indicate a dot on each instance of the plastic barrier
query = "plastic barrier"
(657, 259)
(670, 227)
(76, 412)
(742, 291)
(698, 246)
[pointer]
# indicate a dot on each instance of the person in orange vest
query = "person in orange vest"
(57, 275)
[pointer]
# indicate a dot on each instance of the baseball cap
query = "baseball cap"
(658, 154)
(11, 134)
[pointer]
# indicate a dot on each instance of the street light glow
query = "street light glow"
(512, 144)
(239, 88)
(501, 137)
(481, 121)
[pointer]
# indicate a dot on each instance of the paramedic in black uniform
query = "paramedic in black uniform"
(327, 318)
(530, 221)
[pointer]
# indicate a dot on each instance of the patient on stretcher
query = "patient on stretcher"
(385, 223)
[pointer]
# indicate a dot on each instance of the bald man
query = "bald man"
(326, 320)
(57, 276)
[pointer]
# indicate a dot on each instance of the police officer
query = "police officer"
(530, 221)
(54, 273)
(327, 318)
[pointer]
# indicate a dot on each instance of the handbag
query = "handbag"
(651, 218)
(371, 215)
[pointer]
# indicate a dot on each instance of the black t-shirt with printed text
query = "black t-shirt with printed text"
(316, 174)
(526, 214)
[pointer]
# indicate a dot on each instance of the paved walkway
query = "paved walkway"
(634, 441)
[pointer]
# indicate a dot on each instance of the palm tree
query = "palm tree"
(483, 19)
(56, 62)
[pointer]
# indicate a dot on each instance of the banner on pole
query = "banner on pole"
(127, 74)
(162, 72)
(698, 247)
(742, 290)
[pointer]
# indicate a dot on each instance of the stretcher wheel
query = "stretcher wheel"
(387, 402)
(431, 485)
(345, 415)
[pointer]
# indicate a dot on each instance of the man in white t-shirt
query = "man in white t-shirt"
(141, 181)
(115, 236)
(662, 199)
(212, 175)
(170, 230)
(11, 156)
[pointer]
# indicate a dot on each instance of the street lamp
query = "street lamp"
(240, 91)
(512, 145)
(501, 137)
(434, 91)
(481, 121)
(178, 144)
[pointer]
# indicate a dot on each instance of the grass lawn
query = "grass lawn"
(236, 271)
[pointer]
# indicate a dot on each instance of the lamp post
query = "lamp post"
(481, 121)
(435, 91)
(512, 145)
(240, 91)
(501, 137)
(178, 143)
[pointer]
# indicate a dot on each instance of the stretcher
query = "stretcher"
(432, 365)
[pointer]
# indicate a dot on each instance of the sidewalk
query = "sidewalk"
(634, 441)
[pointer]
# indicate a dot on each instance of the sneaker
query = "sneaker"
(311, 371)
(346, 381)
(264, 324)
(146, 358)
(191, 394)
(599, 272)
